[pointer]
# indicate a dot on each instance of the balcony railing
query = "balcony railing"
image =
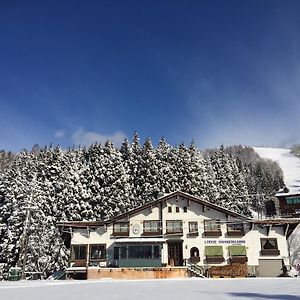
(212, 233)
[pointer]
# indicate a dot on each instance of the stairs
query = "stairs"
(195, 270)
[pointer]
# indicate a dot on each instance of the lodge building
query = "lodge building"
(177, 235)
(289, 202)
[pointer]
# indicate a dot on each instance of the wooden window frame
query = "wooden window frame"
(269, 252)
(209, 232)
(235, 232)
(121, 233)
(174, 232)
(97, 259)
(149, 232)
(73, 258)
(194, 232)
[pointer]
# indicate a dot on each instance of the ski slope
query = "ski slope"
(159, 289)
(289, 164)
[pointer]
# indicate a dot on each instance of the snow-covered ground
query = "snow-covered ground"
(289, 164)
(216, 289)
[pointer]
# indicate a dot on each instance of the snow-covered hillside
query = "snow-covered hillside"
(289, 163)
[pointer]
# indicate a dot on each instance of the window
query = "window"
(174, 226)
(151, 227)
(177, 209)
(79, 252)
(269, 247)
(235, 229)
(139, 251)
(123, 252)
(121, 229)
(193, 228)
(116, 252)
(214, 254)
(212, 228)
(237, 254)
(185, 209)
(293, 200)
(97, 252)
(212, 225)
(169, 209)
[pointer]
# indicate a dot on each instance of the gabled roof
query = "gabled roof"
(181, 194)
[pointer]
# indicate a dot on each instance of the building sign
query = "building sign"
(218, 242)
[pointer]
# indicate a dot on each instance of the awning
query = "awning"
(140, 240)
(213, 250)
(237, 250)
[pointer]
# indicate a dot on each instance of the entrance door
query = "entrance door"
(175, 253)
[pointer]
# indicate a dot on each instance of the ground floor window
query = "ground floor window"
(137, 251)
(79, 252)
(214, 254)
(97, 252)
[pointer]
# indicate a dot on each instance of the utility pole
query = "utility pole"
(26, 233)
(24, 243)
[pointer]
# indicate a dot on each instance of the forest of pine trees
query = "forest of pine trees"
(98, 182)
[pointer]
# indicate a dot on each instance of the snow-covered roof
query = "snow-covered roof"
(288, 192)
(182, 194)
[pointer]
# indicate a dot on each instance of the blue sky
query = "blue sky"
(73, 72)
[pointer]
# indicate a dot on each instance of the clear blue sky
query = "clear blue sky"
(72, 72)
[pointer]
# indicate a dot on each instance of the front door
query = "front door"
(175, 255)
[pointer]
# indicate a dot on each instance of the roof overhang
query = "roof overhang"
(140, 240)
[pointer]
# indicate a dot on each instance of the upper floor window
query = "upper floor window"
(177, 209)
(151, 227)
(212, 228)
(174, 226)
(269, 247)
(169, 209)
(185, 209)
(235, 229)
(193, 228)
(212, 225)
(121, 228)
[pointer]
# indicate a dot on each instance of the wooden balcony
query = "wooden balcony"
(235, 233)
(212, 233)
(151, 233)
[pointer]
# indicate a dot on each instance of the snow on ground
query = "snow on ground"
(289, 163)
(216, 289)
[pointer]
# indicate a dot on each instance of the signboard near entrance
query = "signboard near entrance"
(218, 242)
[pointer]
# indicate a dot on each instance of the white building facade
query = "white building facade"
(180, 229)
